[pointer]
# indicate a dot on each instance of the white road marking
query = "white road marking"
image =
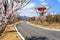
(19, 32)
(42, 27)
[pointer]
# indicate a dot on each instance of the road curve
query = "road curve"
(29, 31)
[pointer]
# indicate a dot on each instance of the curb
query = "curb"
(22, 38)
(43, 27)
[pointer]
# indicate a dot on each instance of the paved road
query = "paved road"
(29, 31)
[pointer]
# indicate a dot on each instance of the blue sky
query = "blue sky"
(28, 9)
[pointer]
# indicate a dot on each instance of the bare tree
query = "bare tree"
(41, 18)
(8, 8)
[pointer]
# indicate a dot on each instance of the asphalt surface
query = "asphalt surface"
(29, 31)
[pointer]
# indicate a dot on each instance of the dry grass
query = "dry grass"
(47, 25)
(9, 33)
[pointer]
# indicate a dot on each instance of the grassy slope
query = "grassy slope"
(9, 33)
(47, 25)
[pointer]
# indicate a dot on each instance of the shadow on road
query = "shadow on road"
(37, 38)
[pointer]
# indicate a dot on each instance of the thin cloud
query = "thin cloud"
(28, 10)
(42, 0)
(43, 3)
(30, 5)
(58, 0)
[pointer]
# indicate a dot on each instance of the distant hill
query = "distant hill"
(23, 17)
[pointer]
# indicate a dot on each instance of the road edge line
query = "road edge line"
(43, 27)
(19, 32)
